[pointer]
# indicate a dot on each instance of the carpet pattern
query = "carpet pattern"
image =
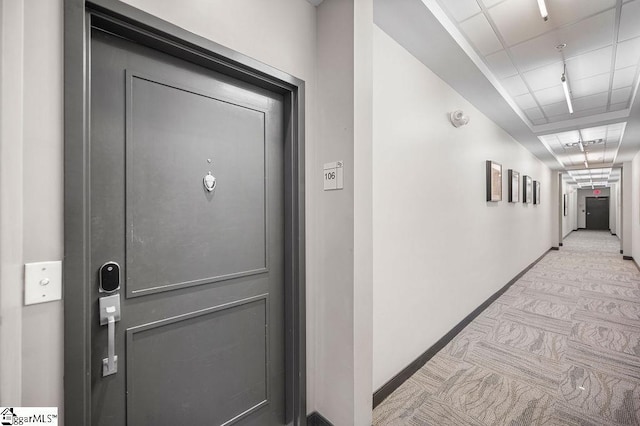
(560, 347)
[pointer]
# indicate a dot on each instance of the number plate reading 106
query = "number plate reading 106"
(333, 176)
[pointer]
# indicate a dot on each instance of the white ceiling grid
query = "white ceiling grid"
(602, 55)
(603, 47)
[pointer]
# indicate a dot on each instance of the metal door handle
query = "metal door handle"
(109, 315)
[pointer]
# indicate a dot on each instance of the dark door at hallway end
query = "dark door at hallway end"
(597, 213)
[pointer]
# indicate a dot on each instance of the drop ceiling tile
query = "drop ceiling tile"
(568, 137)
(618, 107)
(621, 95)
(542, 78)
(558, 118)
(500, 64)
(553, 110)
(594, 133)
(489, 3)
(590, 86)
(584, 36)
(576, 158)
(539, 121)
(624, 77)
(564, 12)
(460, 9)
(534, 113)
(527, 25)
(589, 64)
(591, 102)
(589, 111)
(514, 85)
(628, 53)
(481, 35)
(551, 95)
(629, 21)
(525, 101)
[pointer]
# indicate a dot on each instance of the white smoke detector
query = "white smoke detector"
(458, 118)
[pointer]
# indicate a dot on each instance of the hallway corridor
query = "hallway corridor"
(560, 347)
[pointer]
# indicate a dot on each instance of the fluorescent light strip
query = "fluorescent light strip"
(543, 10)
(565, 87)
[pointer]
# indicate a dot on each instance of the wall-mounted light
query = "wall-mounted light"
(458, 118)
(565, 87)
(543, 10)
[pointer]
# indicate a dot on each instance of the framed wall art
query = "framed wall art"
(565, 207)
(536, 192)
(494, 181)
(514, 186)
(527, 189)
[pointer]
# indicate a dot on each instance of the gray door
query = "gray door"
(597, 212)
(200, 340)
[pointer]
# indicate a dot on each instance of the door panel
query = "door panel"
(597, 212)
(166, 153)
(201, 335)
(216, 367)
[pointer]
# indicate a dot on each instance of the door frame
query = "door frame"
(141, 27)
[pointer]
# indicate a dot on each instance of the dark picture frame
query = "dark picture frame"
(494, 181)
(527, 189)
(565, 207)
(514, 186)
(536, 192)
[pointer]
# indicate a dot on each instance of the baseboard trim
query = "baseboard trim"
(621, 251)
(394, 383)
(627, 257)
(561, 244)
(316, 419)
(555, 248)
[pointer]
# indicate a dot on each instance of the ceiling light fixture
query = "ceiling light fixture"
(565, 87)
(543, 10)
(586, 164)
(582, 143)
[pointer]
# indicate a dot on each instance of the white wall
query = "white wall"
(626, 219)
(440, 249)
(613, 208)
(11, 199)
(570, 218)
(635, 208)
(582, 204)
(343, 320)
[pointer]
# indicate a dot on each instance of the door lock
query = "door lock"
(109, 315)
(109, 277)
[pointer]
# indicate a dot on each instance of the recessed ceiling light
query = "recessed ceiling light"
(561, 46)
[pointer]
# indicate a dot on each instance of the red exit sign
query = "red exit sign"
(596, 192)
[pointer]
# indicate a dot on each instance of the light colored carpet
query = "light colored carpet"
(560, 347)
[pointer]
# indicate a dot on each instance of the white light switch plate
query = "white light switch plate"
(42, 282)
